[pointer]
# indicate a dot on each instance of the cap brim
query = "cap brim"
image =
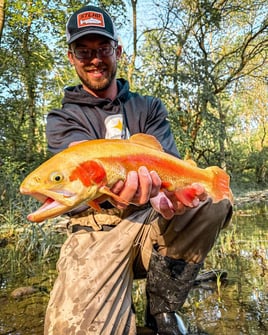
(91, 32)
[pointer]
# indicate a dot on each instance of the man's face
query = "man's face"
(98, 70)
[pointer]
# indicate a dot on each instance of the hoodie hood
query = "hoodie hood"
(77, 95)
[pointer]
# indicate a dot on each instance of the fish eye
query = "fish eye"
(56, 177)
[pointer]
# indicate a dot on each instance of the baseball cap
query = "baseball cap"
(90, 20)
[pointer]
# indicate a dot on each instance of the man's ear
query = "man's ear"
(119, 51)
(71, 57)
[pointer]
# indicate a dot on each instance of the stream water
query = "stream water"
(237, 306)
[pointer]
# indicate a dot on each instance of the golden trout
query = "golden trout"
(86, 171)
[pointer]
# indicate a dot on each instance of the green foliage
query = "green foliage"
(37, 242)
(27, 241)
(196, 57)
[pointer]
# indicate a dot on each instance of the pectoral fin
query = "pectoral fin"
(107, 191)
(185, 197)
(94, 205)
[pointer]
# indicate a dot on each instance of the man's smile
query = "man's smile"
(95, 72)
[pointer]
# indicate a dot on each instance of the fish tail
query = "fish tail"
(220, 185)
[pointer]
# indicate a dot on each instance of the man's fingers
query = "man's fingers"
(139, 187)
(178, 207)
(143, 192)
(156, 184)
(117, 187)
(201, 193)
(163, 205)
(130, 186)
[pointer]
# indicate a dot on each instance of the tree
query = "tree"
(2, 17)
(199, 51)
(24, 76)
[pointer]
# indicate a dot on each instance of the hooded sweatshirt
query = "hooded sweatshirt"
(86, 117)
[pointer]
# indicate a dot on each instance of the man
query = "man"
(157, 236)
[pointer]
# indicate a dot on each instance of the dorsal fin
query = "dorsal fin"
(191, 162)
(146, 140)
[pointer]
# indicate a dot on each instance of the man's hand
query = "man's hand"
(143, 186)
(167, 204)
(138, 188)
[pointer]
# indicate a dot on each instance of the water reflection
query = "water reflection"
(234, 307)
(241, 306)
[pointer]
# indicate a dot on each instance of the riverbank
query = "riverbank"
(251, 197)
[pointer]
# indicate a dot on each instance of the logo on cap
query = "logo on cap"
(87, 19)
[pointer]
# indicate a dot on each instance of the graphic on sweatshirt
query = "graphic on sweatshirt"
(115, 127)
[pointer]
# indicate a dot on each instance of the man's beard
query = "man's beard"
(101, 86)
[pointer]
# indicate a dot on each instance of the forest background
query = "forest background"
(206, 59)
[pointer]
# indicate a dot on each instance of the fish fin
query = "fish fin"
(94, 205)
(107, 191)
(146, 141)
(220, 185)
(191, 162)
(187, 195)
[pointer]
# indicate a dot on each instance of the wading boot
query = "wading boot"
(168, 284)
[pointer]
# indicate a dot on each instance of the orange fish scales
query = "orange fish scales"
(172, 171)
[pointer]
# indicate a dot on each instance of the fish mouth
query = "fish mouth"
(51, 207)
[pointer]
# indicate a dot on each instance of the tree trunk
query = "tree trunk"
(2, 17)
(133, 58)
